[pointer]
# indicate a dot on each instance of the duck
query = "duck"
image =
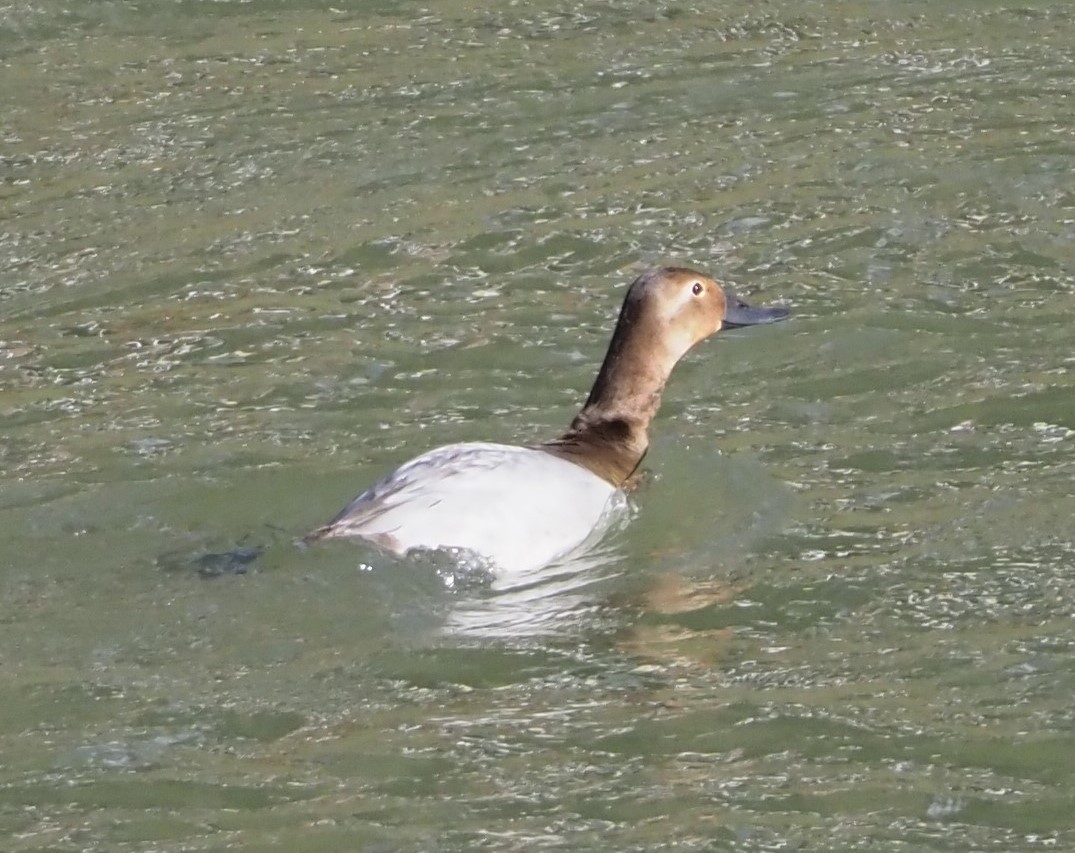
(521, 508)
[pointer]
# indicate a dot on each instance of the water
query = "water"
(252, 255)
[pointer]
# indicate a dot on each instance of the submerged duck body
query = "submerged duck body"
(522, 508)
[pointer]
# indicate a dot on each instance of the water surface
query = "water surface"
(253, 255)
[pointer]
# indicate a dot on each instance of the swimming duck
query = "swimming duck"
(521, 508)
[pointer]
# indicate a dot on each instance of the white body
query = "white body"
(518, 507)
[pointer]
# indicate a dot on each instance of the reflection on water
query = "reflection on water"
(456, 594)
(556, 600)
(253, 256)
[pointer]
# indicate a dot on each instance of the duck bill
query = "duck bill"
(738, 314)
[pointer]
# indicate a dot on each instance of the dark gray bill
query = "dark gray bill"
(737, 313)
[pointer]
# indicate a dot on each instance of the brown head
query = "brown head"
(667, 310)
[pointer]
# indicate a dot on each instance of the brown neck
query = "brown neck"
(610, 435)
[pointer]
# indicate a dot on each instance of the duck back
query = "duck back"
(519, 507)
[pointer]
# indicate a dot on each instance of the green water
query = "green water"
(253, 255)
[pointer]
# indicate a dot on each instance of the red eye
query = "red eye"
(697, 289)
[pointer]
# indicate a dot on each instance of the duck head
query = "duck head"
(667, 311)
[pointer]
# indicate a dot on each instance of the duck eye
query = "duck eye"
(697, 288)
